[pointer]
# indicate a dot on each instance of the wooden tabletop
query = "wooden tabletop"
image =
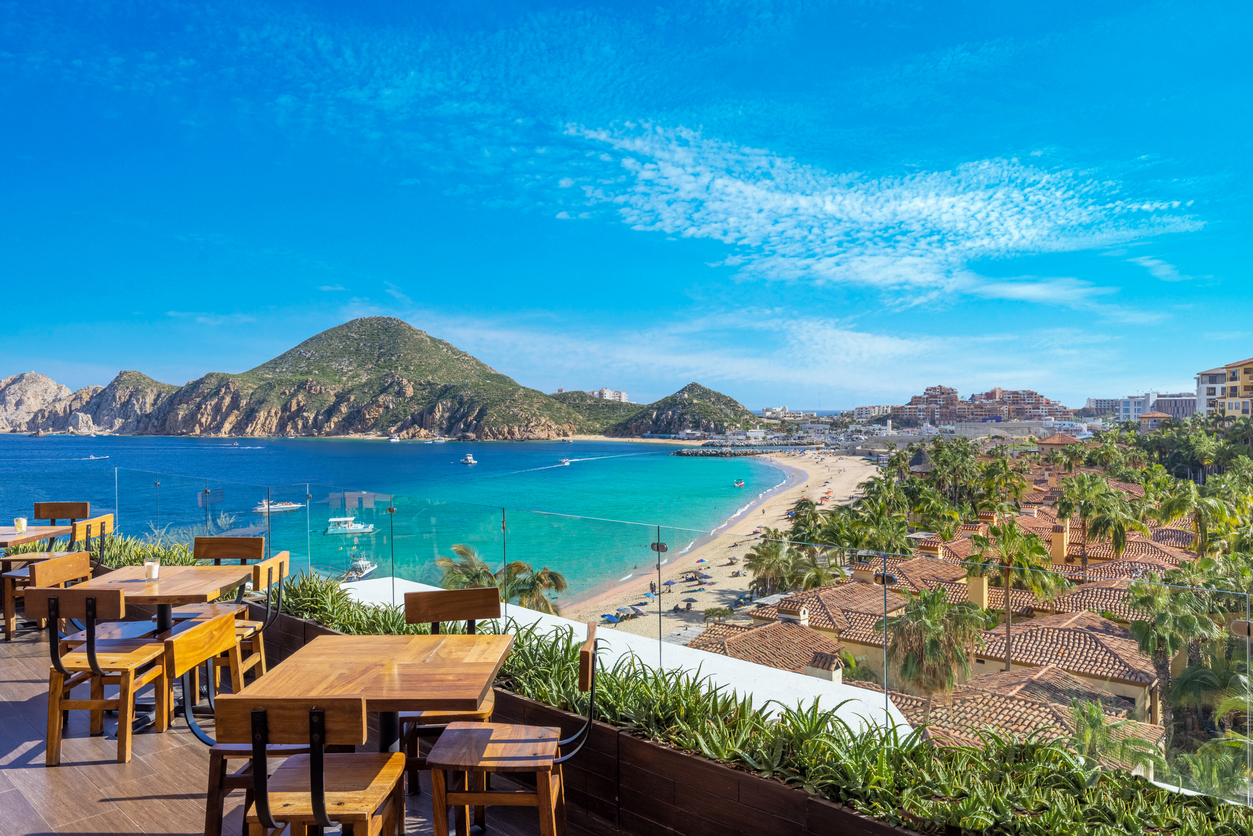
(175, 585)
(32, 534)
(393, 673)
(7, 561)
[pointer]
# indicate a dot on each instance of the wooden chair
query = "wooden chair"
(215, 550)
(434, 608)
(97, 529)
(363, 792)
(128, 664)
(478, 749)
(266, 575)
(192, 644)
(53, 512)
(55, 571)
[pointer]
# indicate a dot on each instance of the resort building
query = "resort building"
(609, 395)
(1057, 441)
(941, 405)
(865, 413)
(1094, 649)
(1211, 387)
(1239, 398)
(1102, 406)
(1150, 421)
(1178, 406)
(788, 644)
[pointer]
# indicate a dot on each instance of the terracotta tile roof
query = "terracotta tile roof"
(924, 573)
(862, 628)
(1023, 601)
(1241, 363)
(1051, 684)
(1109, 595)
(1083, 643)
(1138, 547)
(1155, 414)
(1059, 438)
(1179, 538)
(1129, 488)
(831, 607)
(778, 644)
(1128, 568)
(954, 721)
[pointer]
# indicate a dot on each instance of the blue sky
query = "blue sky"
(793, 202)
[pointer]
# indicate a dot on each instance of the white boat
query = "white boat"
(362, 567)
(428, 442)
(347, 525)
(394, 438)
(469, 459)
(567, 441)
(565, 462)
(268, 507)
(440, 440)
(96, 458)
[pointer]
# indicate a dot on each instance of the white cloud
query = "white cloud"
(332, 287)
(1160, 269)
(211, 318)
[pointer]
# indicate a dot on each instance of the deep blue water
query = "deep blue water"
(593, 520)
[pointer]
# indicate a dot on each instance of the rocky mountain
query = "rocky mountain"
(596, 414)
(370, 375)
(375, 374)
(22, 396)
(694, 407)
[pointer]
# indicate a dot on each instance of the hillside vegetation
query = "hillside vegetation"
(694, 407)
(596, 414)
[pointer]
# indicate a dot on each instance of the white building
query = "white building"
(773, 411)
(609, 395)
(865, 413)
(1104, 406)
(1180, 405)
(1211, 385)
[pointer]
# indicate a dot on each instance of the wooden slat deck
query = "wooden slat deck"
(161, 791)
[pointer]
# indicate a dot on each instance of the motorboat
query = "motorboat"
(394, 437)
(565, 462)
(428, 441)
(567, 441)
(469, 459)
(347, 525)
(440, 440)
(739, 483)
(362, 567)
(96, 458)
(268, 507)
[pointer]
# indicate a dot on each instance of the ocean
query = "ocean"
(595, 521)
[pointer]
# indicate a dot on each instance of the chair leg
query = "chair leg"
(10, 608)
(547, 805)
(215, 798)
(126, 714)
(237, 669)
(56, 689)
(412, 773)
(439, 802)
(561, 800)
(478, 782)
(398, 808)
(461, 812)
(258, 647)
(97, 714)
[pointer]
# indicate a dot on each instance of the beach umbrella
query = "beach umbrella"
(702, 560)
(625, 609)
(649, 595)
(612, 619)
(669, 583)
(639, 611)
(691, 600)
(703, 575)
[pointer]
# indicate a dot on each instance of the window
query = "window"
(1210, 391)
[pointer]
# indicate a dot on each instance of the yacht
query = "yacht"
(567, 441)
(362, 567)
(268, 507)
(565, 462)
(440, 440)
(394, 437)
(347, 525)
(469, 459)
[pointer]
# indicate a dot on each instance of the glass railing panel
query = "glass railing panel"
(174, 508)
(347, 534)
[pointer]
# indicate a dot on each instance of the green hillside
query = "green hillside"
(596, 414)
(694, 407)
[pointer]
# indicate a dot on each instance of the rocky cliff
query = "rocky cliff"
(23, 396)
(694, 407)
(121, 407)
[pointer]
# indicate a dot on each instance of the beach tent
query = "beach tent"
(612, 619)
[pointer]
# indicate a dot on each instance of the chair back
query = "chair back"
(90, 605)
(316, 722)
(244, 549)
(205, 640)
(270, 574)
(587, 684)
(98, 528)
(452, 605)
(58, 571)
(53, 511)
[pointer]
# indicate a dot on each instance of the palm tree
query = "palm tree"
(1115, 519)
(1020, 557)
(1086, 495)
(930, 641)
(1094, 738)
(1172, 620)
(516, 581)
(718, 614)
(1205, 513)
(1074, 454)
(768, 560)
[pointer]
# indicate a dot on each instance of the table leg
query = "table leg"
(165, 618)
(389, 731)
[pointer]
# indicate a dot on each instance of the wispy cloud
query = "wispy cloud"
(1163, 270)
(212, 318)
(332, 287)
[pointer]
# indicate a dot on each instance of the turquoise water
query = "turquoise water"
(594, 521)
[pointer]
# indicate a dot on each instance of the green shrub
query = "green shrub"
(123, 551)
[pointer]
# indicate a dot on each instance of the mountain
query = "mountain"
(694, 407)
(370, 375)
(22, 396)
(376, 374)
(596, 414)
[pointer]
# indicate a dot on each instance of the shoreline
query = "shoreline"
(810, 474)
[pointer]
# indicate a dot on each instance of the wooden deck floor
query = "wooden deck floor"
(160, 791)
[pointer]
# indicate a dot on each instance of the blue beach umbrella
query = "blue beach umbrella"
(649, 595)
(612, 619)
(668, 583)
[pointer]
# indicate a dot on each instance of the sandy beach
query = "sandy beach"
(809, 475)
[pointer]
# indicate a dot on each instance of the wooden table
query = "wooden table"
(7, 561)
(174, 587)
(393, 673)
(32, 534)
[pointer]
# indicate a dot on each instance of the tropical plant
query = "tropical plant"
(1098, 737)
(517, 581)
(1085, 495)
(718, 614)
(931, 641)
